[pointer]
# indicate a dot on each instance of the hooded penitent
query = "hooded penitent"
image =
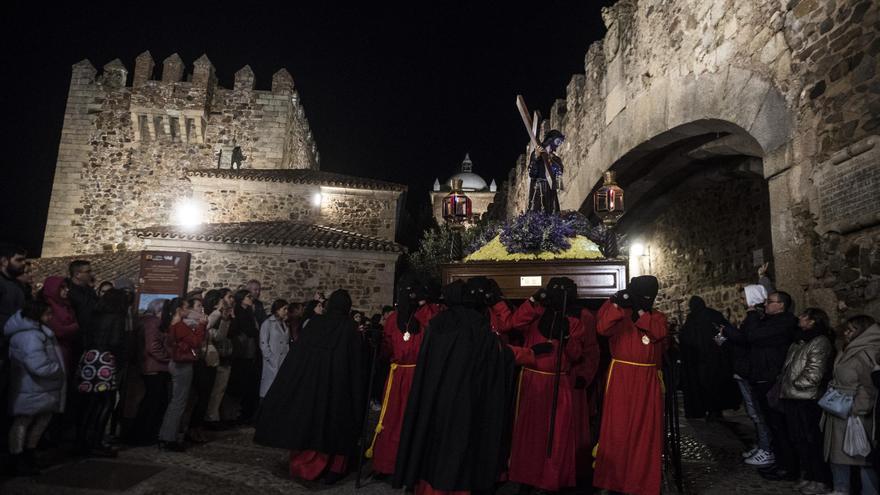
(316, 401)
(452, 435)
(409, 292)
(561, 300)
(707, 377)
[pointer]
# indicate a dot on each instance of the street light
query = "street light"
(457, 210)
(188, 213)
(608, 200)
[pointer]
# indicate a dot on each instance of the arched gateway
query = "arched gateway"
(741, 133)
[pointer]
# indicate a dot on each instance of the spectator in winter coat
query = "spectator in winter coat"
(274, 344)
(37, 381)
(218, 306)
(852, 375)
(63, 323)
(768, 338)
(183, 343)
(802, 382)
(245, 333)
(12, 264)
(104, 344)
(82, 296)
(154, 372)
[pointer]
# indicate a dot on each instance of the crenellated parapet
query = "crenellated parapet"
(127, 139)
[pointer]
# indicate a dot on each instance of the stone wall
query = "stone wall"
(709, 243)
(124, 149)
(799, 78)
(292, 273)
(372, 213)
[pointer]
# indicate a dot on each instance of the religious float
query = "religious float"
(524, 253)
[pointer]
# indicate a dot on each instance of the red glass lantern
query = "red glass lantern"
(456, 206)
(608, 201)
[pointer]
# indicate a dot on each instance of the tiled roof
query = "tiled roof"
(105, 266)
(279, 233)
(298, 176)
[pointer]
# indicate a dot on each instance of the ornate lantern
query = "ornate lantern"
(456, 206)
(608, 201)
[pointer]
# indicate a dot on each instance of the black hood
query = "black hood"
(479, 288)
(339, 303)
(644, 289)
(410, 290)
(696, 304)
(561, 299)
(456, 293)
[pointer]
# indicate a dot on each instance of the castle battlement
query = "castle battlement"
(128, 138)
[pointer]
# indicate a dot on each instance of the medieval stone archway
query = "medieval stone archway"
(733, 102)
(694, 155)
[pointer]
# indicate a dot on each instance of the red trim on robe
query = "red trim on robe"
(310, 464)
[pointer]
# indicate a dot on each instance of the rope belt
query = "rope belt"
(631, 363)
(379, 427)
(608, 381)
(519, 385)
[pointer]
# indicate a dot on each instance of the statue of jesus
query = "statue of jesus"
(545, 170)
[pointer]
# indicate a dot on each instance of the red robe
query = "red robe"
(403, 356)
(309, 464)
(585, 369)
(631, 435)
(529, 463)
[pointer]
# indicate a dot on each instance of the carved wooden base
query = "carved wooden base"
(596, 279)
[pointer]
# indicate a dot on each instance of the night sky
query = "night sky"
(392, 93)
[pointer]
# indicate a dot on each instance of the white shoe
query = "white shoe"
(750, 453)
(761, 458)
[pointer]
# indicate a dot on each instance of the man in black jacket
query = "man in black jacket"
(82, 294)
(768, 337)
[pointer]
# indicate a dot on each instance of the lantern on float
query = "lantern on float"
(456, 212)
(456, 206)
(608, 200)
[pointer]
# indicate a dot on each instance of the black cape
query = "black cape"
(316, 401)
(707, 371)
(453, 429)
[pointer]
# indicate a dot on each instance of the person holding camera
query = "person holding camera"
(633, 392)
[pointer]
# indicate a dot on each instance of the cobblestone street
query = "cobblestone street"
(232, 464)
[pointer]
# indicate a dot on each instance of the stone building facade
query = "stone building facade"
(136, 156)
(786, 90)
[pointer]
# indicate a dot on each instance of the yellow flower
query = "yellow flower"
(581, 249)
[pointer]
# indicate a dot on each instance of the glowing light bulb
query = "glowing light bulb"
(316, 199)
(188, 214)
(637, 249)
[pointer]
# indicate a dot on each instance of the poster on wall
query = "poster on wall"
(163, 275)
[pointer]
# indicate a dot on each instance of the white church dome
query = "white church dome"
(470, 181)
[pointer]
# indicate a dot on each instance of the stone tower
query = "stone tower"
(125, 150)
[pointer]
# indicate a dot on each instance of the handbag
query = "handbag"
(773, 396)
(835, 402)
(855, 440)
(212, 357)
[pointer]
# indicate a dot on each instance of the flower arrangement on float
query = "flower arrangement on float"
(535, 235)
